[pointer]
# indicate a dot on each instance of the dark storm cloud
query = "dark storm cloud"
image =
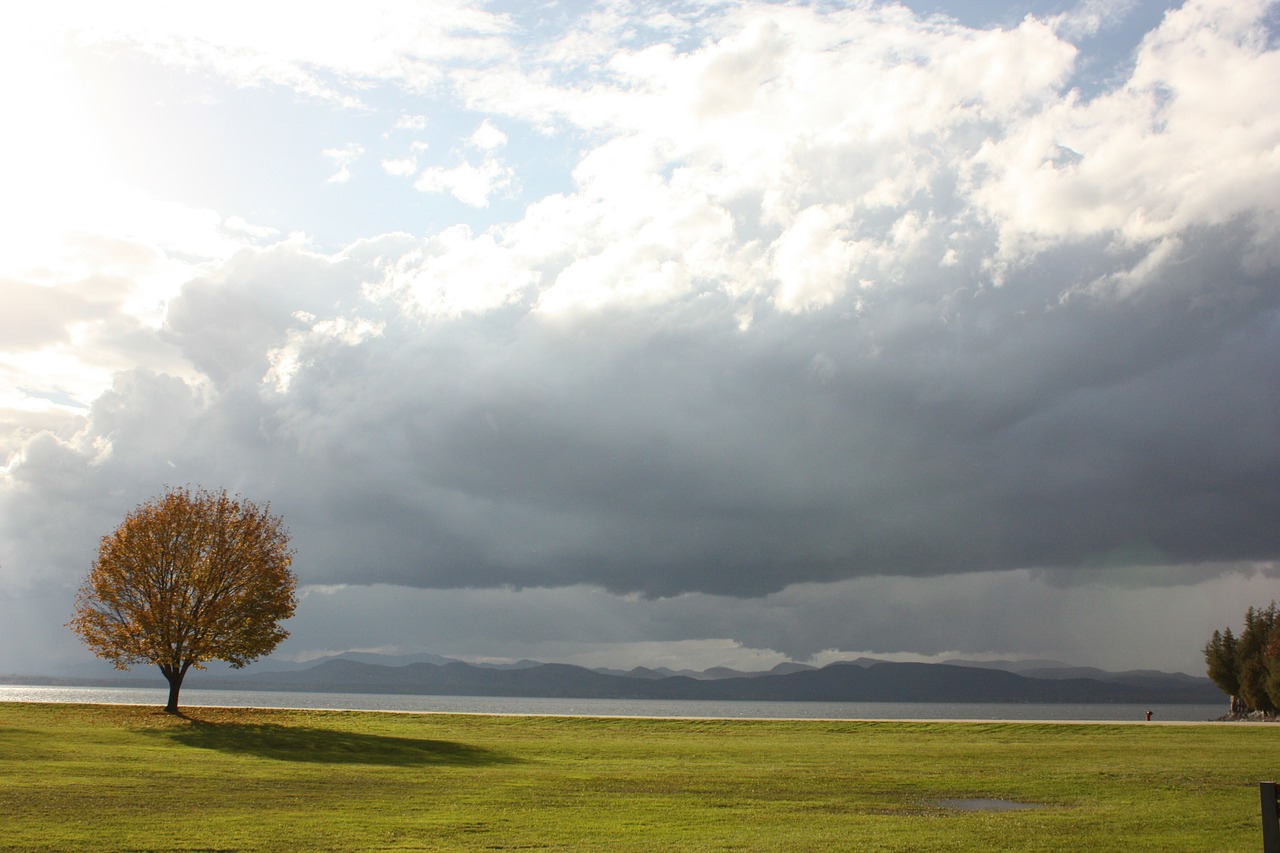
(664, 453)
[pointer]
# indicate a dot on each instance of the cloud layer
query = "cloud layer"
(829, 302)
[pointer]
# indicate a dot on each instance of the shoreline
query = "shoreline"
(689, 718)
(974, 712)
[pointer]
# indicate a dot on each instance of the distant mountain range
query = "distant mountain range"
(862, 680)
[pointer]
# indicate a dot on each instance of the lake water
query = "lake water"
(615, 707)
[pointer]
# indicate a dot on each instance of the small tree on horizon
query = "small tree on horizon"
(189, 577)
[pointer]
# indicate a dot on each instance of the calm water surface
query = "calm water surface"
(614, 707)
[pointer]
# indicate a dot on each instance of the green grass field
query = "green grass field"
(133, 778)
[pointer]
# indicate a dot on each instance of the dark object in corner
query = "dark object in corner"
(1270, 818)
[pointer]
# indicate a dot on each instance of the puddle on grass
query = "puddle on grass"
(983, 805)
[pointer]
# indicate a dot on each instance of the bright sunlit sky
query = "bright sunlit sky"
(676, 334)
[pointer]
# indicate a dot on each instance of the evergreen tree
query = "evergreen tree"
(1247, 668)
(1256, 665)
(1220, 653)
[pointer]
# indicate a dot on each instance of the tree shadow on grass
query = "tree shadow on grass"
(327, 746)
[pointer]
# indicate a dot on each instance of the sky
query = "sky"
(619, 333)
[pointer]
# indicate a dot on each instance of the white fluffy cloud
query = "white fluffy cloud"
(470, 183)
(1183, 141)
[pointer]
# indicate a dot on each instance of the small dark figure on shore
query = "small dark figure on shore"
(1148, 716)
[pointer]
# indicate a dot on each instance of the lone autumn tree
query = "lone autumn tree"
(189, 577)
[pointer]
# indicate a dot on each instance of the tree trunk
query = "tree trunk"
(174, 675)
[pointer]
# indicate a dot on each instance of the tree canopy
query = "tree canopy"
(1247, 667)
(188, 577)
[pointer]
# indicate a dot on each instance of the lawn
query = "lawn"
(133, 778)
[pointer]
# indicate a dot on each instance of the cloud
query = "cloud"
(471, 184)
(487, 137)
(1164, 150)
(321, 53)
(675, 453)
(401, 167)
(343, 158)
(991, 615)
(813, 260)
(1089, 17)
(835, 306)
(456, 273)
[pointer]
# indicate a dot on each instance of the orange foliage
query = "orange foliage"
(189, 577)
